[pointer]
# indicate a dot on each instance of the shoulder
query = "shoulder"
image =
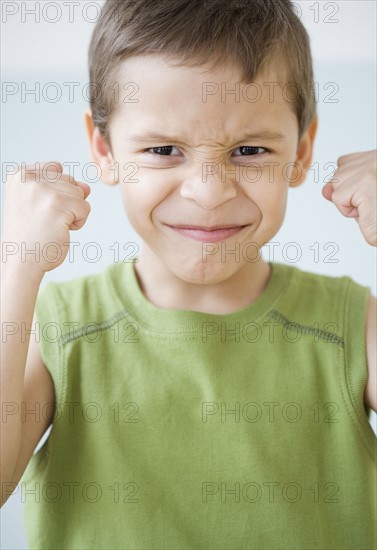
(355, 309)
(80, 299)
(320, 297)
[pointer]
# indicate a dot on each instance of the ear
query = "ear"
(304, 153)
(100, 151)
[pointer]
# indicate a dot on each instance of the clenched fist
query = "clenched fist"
(353, 190)
(41, 205)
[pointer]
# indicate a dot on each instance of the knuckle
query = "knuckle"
(342, 159)
(19, 176)
(52, 165)
(80, 192)
(87, 207)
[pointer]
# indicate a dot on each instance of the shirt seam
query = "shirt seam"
(164, 335)
(344, 376)
(322, 334)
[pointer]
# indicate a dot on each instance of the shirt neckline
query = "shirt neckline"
(177, 321)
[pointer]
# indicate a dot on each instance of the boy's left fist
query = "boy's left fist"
(353, 190)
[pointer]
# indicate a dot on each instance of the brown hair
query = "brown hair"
(251, 33)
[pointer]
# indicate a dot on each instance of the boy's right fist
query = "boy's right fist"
(41, 205)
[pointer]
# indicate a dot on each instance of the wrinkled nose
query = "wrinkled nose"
(211, 184)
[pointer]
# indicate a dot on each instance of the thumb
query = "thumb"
(327, 190)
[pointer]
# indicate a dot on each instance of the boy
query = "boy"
(202, 397)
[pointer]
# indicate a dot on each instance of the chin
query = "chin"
(199, 272)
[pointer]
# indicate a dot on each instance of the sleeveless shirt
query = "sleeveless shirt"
(177, 429)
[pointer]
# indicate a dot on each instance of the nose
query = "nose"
(210, 184)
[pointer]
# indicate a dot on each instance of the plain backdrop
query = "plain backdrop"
(52, 53)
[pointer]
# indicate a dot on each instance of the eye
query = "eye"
(163, 151)
(166, 150)
(247, 150)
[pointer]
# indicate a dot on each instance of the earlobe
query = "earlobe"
(100, 151)
(305, 152)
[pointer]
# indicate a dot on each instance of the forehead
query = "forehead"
(205, 101)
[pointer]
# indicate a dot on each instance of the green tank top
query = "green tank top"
(178, 429)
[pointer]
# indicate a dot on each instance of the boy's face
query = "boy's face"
(214, 173)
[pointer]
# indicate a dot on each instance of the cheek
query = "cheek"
(268, 191)
(141, 196)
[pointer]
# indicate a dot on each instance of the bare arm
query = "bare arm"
(24, 379)
(38, 209)
(370, 396)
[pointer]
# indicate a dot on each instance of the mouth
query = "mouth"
(208, 234)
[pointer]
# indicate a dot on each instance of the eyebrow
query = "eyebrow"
(156, 136)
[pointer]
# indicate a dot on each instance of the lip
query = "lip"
(208, 234)
(206, 227)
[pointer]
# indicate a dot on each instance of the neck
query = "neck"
(167, 291)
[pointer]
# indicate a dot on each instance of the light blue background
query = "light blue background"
(343, 54)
